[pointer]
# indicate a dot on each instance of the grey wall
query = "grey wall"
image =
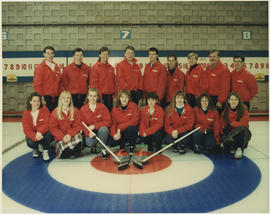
(205, 25)
(191, 37)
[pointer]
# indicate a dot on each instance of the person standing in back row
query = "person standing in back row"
(129, 75)
(218, 80)
(76, 78)
(243, 82)
(175, 80)
(102, 78)
(196, 80)
(155, 76)
(48, 79)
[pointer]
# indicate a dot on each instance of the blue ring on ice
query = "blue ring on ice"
(28, 182)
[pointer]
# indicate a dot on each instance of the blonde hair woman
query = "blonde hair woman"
(65, 125)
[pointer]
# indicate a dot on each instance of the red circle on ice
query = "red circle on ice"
(157, 163)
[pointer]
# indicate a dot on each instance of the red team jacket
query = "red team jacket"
(128, 76)
(46, 81)
(102, 77)
(181, 124)
(175, 82)
(155, 78)
(196, 81)
(210, 120)
(122, 120)
(100, 117)
(60, 128)
(42, 123)
(150, 126)
(232, 120)
(244, 83)
(219, 81)
(76, 80)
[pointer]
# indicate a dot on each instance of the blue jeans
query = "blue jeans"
(102, 133)
(45, 142)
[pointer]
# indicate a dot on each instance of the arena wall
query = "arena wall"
(169, 26)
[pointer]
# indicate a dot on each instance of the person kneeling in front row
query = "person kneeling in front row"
(151, 122)
(35, 123)
(234, 126)
(125, 118)
(97, 117)
(206, 117)
(65, 125)
(179, 120)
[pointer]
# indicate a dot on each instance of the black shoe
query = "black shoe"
(182, 150)
(104, 154)
(196, 149)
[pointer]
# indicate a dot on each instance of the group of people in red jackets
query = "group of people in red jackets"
(110, 106)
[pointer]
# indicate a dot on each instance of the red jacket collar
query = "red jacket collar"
(157, 63)
(73, 65)
(240, 71)
(126, 61)
(100, 64)
(44, 62)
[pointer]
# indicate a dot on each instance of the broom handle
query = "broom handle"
(103, 144)
(166, 147)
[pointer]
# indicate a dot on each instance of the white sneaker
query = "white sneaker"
(40, 148)
(45, 155)
(35, 153)
(238, 153)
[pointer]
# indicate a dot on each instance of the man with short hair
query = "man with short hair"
(196, 80)
(175, 80)
(218, 80)
(76, 78)
(48, 79)
(102, 77)
(129, 76)
(155, 75)
(243, 82)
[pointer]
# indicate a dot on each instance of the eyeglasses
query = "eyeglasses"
(237, 61)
